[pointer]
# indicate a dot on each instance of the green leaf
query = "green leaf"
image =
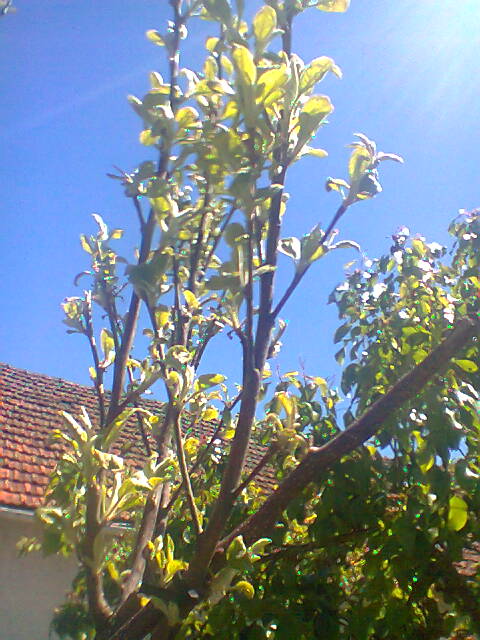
(208, 380)
(466, 365)
(264, 23)
(341, 332)
(219, 283)
(457, 513)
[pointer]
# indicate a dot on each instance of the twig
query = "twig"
(96, 361)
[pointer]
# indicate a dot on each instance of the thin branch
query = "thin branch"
(185, 476)
(96, 361)
(138, 209)
(147, 234)
(201, 456)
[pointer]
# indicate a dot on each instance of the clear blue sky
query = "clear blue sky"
(410, 82)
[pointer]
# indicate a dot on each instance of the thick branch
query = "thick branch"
(320, 459)
(144, 536)
(97, 603)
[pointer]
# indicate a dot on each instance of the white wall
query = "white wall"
(31, 586)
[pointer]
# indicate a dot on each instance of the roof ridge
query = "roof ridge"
(6, 366)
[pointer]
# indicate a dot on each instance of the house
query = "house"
(30, 405)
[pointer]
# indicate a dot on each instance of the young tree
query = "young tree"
(360, 535)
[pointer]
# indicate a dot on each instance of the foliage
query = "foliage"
(360, 537)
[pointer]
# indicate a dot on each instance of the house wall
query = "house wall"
(31, 586)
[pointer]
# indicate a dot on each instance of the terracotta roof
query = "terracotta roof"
(29, 412)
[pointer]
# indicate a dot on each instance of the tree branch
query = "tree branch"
(185, 476)
(320, 459)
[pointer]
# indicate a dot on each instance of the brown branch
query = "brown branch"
(138, 209)
(184, 472)
(145, 533)
(320, 459)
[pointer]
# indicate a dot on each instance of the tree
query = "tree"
(361, 535)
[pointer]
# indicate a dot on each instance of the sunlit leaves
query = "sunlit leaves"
(316, 71)
(313, 113)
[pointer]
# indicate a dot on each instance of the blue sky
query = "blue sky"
(410, 82)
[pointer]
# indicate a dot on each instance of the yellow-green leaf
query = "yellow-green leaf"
(359, 163)
(191, 299)
(162, 315)
(337, 6)
(106, 340)
(467, 365)
(211, 43)
(316, 153)
(271, 83)
(155, 37)
(208, 380)
(317, 106)
(264, 23)
(316, 71)
(85, 244)
(245, 65)
(187, 117)
(147, 139)
(457, 513)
